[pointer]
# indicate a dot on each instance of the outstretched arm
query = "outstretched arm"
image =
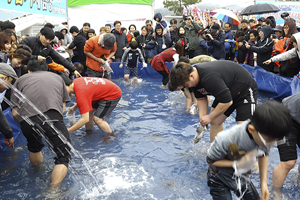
(263, 171)
(83, 120)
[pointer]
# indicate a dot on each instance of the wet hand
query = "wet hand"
(70, 110)
(205, 120)
(100, 60)
(264, 192)
(9, 142)
(267, 62)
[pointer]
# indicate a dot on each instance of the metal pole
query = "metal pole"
(67, 13)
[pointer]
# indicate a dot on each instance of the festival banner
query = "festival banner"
(56, 8)
(293, 8)
(88, 2)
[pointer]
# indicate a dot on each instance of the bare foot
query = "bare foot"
(107, 137)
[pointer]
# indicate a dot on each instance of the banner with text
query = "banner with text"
(56, 8)
(293, 8)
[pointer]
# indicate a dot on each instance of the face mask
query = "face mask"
(268, 145)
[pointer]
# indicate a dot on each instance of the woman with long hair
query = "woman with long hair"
(288, 29)
(5, 44)
(142, 40)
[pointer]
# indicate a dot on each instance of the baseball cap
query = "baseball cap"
(62, 51)
(109, 41)
(7, 70)
(262, 19)
(215, 28)
(252, 20)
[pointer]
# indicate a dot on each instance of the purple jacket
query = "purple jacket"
(249, 55)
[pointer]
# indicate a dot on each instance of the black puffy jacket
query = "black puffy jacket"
(122, 42)
(45, 51)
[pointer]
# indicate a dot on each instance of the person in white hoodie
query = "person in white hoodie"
(292, 53)
(67, 37)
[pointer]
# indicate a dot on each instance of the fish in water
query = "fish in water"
(200, 133)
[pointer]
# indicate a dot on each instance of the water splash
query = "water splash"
(39, 130)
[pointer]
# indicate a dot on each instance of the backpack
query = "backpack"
(282, 46)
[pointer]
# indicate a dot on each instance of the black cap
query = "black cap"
(261, 19)
(252, 20)
(215, 28)
(109, 41)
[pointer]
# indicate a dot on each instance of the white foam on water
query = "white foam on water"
(119, 176)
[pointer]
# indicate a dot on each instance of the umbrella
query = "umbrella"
(225, 16)
(259, 9)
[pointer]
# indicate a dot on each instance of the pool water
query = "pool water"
(151, 157)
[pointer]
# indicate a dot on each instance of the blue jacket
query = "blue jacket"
(228, 35)
(218, 45)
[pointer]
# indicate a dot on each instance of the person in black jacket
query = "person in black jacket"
(78, 42)
(142, 40)
(41, 49)
(121, 39)
(245, 29)
(216, 41)
(263, 47)
(84, 31)
(173, 31)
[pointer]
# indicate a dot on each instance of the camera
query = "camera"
(206, 31)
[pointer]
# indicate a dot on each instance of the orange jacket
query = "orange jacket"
(56, 67)
(129, 37)
(97, 50)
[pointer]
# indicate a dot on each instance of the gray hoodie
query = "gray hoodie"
(293, 104)
(67, 38)
(290, 53)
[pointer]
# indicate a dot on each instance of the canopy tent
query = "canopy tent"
(100, 12)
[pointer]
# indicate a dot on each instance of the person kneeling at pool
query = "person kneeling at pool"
(234, 151)
(96, 98)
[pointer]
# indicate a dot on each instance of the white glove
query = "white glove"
(247, 162)
(145, 65)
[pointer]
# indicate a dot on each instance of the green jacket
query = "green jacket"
(191, 32)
